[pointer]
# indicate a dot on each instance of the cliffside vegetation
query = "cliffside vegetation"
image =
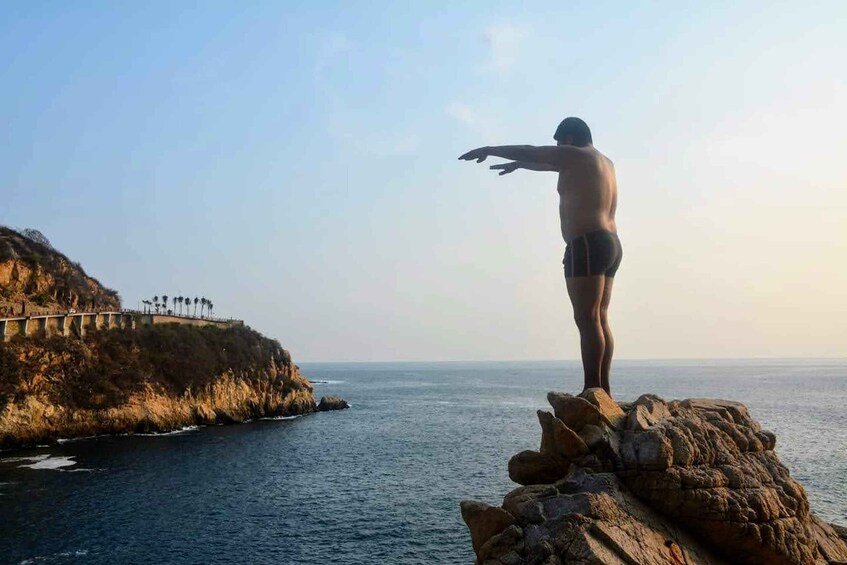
(32, 271)
(155, 378)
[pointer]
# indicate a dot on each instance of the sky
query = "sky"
(296, 163)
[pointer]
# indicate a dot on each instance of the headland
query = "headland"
(73, 363)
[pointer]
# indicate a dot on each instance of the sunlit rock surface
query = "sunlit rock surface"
(651, 482)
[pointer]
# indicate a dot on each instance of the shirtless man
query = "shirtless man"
(588, 196)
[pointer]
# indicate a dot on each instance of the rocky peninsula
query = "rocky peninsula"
(691, 482)
(151, 379)
(128, 379)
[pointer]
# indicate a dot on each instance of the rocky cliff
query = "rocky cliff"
(152, 379)
(32, 271)
(690, 482)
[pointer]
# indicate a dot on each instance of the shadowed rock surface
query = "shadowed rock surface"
(332, 403)
(681, 482)
(152, 379)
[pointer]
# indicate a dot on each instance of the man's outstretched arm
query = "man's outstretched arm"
(506, 168)
(556, 155)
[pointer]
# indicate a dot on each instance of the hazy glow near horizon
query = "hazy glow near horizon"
(297, 165)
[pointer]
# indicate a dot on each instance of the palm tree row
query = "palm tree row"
(161, 306)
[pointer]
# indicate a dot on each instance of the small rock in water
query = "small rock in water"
(332, 403)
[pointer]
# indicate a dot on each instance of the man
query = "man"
(588, 196)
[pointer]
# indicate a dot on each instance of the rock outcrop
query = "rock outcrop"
(690, 482)
(32, 271)
(152, 379)
(328, 403)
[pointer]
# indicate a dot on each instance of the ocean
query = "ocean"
(379, 483)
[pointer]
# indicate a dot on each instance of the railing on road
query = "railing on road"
(70, 322)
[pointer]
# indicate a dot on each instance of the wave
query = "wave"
(44, 461)
(281, 417)
(54, 557)
(62, 440)
(182, 430)
(318, 382)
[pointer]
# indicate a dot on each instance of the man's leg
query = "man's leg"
(586, 294)
(609, 350)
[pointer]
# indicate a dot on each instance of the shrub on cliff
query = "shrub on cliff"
(53, 278)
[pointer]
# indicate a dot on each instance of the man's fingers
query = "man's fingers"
(474, 154)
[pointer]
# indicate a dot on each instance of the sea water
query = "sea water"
(379, 483)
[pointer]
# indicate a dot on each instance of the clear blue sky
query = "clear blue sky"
(296, 163)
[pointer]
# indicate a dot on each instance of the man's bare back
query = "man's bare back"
(588, 194)
(588, 197)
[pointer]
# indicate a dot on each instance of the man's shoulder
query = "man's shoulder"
(596, 152)
(603, 158)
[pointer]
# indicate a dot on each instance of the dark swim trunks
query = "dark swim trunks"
(595, 253)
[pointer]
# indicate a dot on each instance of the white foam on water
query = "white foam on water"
(48, 462)
(31, 458)
(45, 462)
(326, 382)
(281, 417)
(184, 430)
(54, 557)
(81, 438)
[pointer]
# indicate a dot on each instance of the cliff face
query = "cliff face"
(34, 272)
(153, 379)
(651, 482)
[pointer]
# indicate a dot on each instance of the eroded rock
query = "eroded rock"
(574, 411)
(484, 521)
(533, 467)
(605, 404)
(332, 403)
(642, 486)
(558, 439)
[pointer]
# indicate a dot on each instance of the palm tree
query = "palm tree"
(196, 300)
(180, 300)
(156, 302)
(203, 303)
(174, 299)
(210, 308)
(165, 301)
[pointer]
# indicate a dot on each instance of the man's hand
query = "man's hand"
(479, 154)
(506, 168)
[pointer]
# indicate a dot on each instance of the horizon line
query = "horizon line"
(835, 357)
